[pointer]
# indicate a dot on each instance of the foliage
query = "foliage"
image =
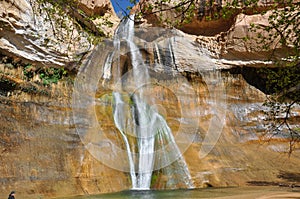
(184, 11)
(283, 28)
(52, 75)
(284, 81)
(47, 75)
(155, 178)
(177, 13)
(284, 84)
(65, 16)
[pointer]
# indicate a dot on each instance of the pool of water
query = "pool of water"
(222, 193)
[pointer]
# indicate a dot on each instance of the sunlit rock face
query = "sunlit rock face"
(43, 155)
(207, 19)
(231, 37)
(29, 34)
(231, 91)
(37, 33)
(220, 96)
(99, 7)
(41, 152)
(208, 80)
(103, 13)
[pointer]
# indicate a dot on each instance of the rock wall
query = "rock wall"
(37, 33)
(227, 86)
(219, 95)
(41, 154)
(230, 34)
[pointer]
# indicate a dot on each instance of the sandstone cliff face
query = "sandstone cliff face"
(36, 33)
(41, 153)
(27, 34)
(230, 36)
(190, 83)
(98, 7)
(206, 18)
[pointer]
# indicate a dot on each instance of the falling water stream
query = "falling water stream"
(141, 120)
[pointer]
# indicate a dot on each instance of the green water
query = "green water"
(226, 193)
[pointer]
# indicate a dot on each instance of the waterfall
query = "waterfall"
(135, 118)
(144, 122)
(120, 123)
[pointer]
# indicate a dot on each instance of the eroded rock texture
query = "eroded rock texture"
(41, 153)
(39, 34)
